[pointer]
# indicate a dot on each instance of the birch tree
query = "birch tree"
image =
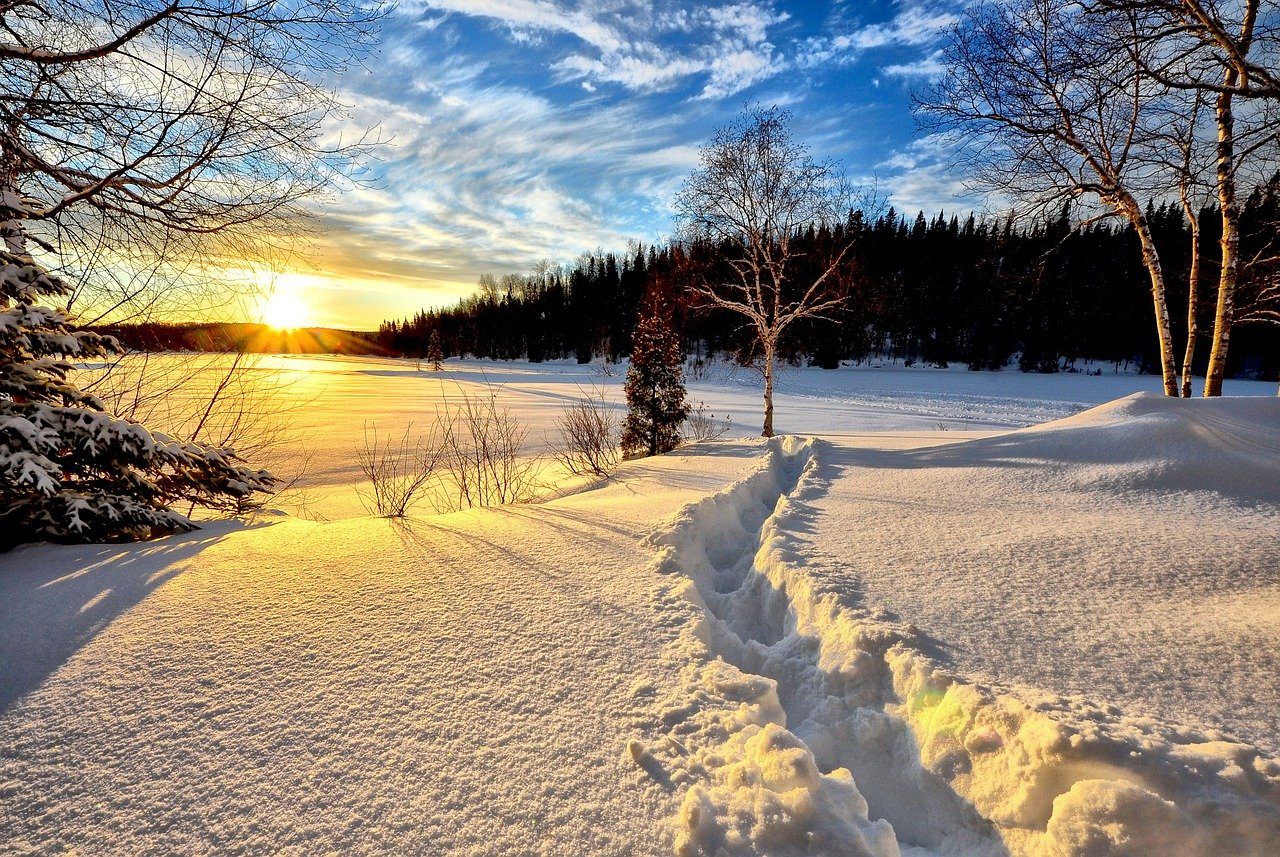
(1228, 50)
(1051, 105)
(756, 189)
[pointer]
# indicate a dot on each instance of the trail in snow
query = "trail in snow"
(805, 722)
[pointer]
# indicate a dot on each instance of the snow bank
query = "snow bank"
(1148, 443)
(789, 672)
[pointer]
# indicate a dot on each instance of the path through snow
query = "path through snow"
(804, 716)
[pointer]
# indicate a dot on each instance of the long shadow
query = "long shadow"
(55, 599)
(1192, 450)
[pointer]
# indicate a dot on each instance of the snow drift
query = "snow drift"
(809, 723)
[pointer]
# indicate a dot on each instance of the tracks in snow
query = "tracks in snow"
(805, 724)
(765, 689)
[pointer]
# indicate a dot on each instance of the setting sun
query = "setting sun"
(284, 309)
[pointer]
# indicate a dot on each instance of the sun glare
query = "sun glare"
(285, 310)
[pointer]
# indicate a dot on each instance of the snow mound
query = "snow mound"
(1147, 442)
(807, 724)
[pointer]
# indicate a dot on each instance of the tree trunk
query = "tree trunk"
(1230, 240)
(1150, 258)
(1193, 299)
(768, 391)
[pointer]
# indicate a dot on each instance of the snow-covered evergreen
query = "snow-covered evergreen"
(69, 470)
(656, 403)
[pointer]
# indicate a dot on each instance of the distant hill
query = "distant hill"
(244, 337)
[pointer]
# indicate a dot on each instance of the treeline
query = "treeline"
(935, 290)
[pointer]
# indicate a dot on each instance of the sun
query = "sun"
(284, 309)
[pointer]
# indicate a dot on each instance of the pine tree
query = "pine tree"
(656, 405)
(434, 354)
(70, 471)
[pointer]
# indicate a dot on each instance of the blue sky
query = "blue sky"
(518, 130)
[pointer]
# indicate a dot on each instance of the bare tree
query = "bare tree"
(589, 432)
(1049, 105)
(756, 190)
(140, 139)
(144, 144)
(1192, 192)
(1229, 50)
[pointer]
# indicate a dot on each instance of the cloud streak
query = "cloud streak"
(525, 129)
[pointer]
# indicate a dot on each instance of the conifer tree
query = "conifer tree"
(656, 404)
(434, 354)
(70, 471)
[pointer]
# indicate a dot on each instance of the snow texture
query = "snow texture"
(460, 684)
(892, 639)
(955, 766)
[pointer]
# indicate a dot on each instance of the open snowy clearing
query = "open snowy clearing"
(898, 637)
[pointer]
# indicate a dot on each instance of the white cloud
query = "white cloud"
(484, 178)
(921, 176)
(915, 25)
(927, 68)
(730, 43)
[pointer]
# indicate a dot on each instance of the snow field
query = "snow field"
(454, 685)
(316, 407)
(804, 715)
(898, 639)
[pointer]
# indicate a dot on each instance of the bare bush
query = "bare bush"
(697, 368)
(702, 425)
(589, 432)
(398, 470)
(480, 452)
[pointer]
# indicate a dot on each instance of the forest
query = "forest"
(1045, 296)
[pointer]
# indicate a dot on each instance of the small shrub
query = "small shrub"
(589, 431)
(398, 469)
(481, 453)
(702, 425)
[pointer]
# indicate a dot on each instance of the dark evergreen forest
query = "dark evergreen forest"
(986, 294)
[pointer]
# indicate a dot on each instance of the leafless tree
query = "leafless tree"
(1231, 51)
(756, 189)
(1050, 102)
(1189, 161)
(146, 143)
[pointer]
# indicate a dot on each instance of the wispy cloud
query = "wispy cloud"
(525, 129)
(915, 24)
(925, 68)
(922, 176)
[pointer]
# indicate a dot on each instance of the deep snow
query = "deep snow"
(454, 685)
(897, 638)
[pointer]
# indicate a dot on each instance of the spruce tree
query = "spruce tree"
(656, 405)
(434, 354)
(70, 471)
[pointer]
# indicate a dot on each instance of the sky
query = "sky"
(519, 130)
